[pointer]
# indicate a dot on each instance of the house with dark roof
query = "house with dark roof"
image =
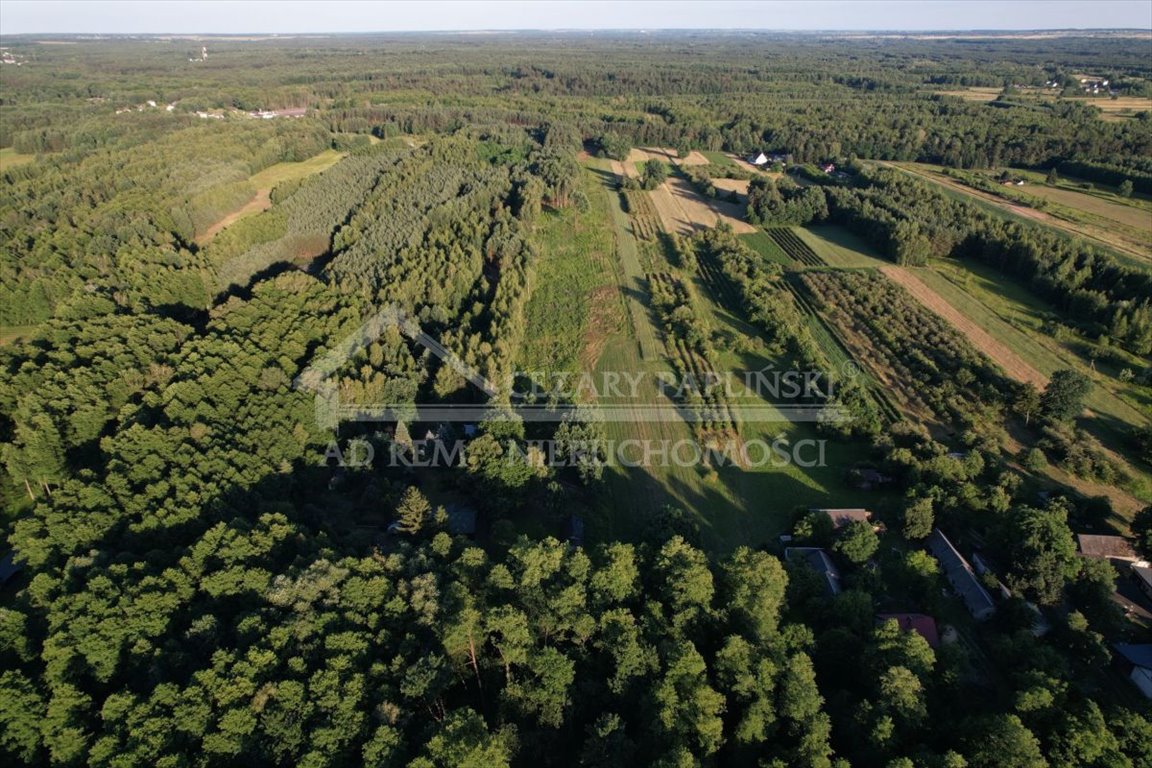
(1113, 548)
(1136, 662)
(920, 623)
(961, 576)
(461, 520)
(819, 561)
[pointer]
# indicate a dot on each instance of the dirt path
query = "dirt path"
(1000, 354)
(261, 202)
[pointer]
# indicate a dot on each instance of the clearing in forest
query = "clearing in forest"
(683, 210)
(265, 181)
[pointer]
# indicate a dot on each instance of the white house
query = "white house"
(758, 159)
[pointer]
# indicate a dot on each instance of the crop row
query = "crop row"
(795, 247)
(687, 343)
(926, 358)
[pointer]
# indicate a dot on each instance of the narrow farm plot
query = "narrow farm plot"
(1136, 249)
(632, 282)
(573, 307)
(999, 353)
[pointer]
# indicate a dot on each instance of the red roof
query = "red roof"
(921, 624)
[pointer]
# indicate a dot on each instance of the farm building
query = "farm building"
(574, 530)
(920, 623)
(842, 517)
(1143, 576)
(1136, 662)
(867, 479)
(961, 576)
(461, 520)
(758, 158)
(817, 559)
(1113, 548)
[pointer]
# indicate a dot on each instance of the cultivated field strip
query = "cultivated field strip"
(917, 353)
(700, 382)
(792, 245)
(838, 351)
(645, 220)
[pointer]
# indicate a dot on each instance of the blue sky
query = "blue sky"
(294, 16)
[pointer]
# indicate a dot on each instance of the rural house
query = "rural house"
(817, 559)
(1136, 662)
(1143, 575)
(961, 576)
(1115, 549)
(920, 623)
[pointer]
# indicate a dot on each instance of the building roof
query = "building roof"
(920, 623)
(1112, 547)
(461, 519)
(1143, 573)
(961, 575)
(817, 559)
(842, 517)
(574, 528)
(1139, 655)
(9, 567)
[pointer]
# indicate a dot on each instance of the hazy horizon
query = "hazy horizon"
(293, 17)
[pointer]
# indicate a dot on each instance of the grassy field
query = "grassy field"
(13, 333)
(718, 158)
(1015, 317)
(1130, 245)
(571, 274)
(1135, 212)
(281, 172)
(973, 94)
(10, 158)
(265, 181)
(840, 248)
(763, 244)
